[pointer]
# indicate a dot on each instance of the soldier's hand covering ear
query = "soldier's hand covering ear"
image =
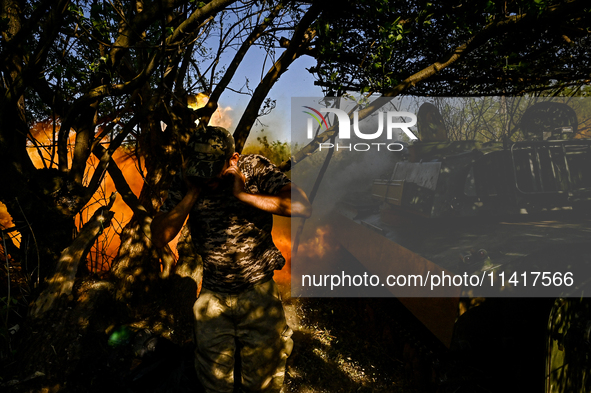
(239, 181)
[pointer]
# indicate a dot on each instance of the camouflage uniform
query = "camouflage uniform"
(239, 305)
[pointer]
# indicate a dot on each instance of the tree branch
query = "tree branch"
(84, 139)
(130, 33)
(195, 19)
(212, 104)
(105, 155)
(476, 41)
(62, 281)
(301, 38)
(118, 178)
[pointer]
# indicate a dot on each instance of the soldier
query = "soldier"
(230, 201)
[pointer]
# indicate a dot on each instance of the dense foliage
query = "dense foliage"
(501, 47)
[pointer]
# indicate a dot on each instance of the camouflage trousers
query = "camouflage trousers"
(249, 326)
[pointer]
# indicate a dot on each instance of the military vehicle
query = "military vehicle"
(510, 212)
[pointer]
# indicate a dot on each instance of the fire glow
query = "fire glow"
(319, 245)
(282, 238)
(105, 249)
(41, 149)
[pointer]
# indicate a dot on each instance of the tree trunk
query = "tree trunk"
(62, 281)
(137, 265)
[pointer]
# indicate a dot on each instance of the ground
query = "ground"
(338, 349)
(340, 345)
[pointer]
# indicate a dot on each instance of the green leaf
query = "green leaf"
(120, 336)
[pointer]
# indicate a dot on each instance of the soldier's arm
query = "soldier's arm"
(165, 226)
(290, 201)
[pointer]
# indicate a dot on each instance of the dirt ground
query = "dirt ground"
(340, 345)
(338, 348)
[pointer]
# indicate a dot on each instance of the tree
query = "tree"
(451, 49)
(100, 76)
(498, 48)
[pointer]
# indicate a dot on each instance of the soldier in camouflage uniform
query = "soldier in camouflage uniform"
(230, 201)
